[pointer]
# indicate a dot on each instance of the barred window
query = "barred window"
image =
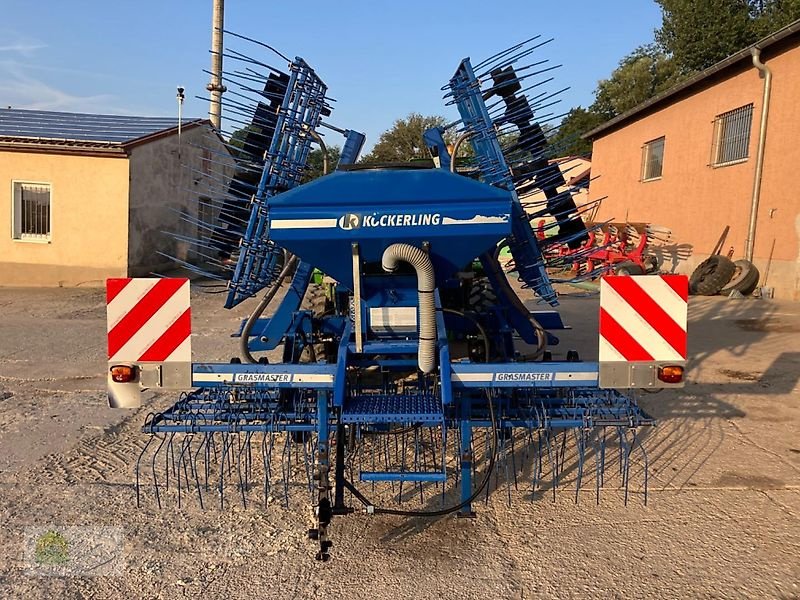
(732, 136)
(31, 211)
(652, 159)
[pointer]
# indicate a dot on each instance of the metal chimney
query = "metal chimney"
(215, 85)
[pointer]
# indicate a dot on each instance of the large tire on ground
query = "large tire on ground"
(628, 268)
(711, 276)
(745, 279)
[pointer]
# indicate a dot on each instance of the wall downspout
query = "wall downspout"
(766, 74)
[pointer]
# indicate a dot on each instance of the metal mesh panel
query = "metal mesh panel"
(33, 211)
(732, 136)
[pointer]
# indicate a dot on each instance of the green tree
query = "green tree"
(403, 141)
(694, 35)
(314, 164)
(771, 15)
(236, 141)
(567, 139)
(699, 33)
(641, 75)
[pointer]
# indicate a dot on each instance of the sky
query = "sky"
(381, 60)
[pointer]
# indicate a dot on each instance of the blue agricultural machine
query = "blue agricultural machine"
(411, 370)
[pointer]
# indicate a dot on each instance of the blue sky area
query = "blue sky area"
(381, 60)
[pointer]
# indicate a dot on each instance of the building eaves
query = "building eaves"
(55, 145)
(164, 133)
(82, 127)
(695, 80)
(60, 146)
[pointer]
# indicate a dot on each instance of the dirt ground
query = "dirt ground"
(722, 520)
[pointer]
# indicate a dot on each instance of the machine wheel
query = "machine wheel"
(316, 301)
(652, 264)
(711, 276)
(745, 278)
(481, 296)
(628, 268)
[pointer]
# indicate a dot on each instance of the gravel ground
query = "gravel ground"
(722, 520)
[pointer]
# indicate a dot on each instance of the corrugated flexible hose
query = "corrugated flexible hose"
(426, 285)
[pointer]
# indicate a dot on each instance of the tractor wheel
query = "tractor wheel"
(744, 280)
(317, 302)
(628, 267)
(711, 276)
(481, 296)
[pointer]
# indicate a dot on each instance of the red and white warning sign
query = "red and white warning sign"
(149, 320)
(643, 318)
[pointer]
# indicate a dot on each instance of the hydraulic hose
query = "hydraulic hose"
(426, 285)
(541, 334)
(451, 509)
(318, 138)
(478, 326)
(244, 346)
(461, 139)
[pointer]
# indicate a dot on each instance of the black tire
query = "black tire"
(481, 296)
(745, 279)
(628, 268)
(711, 276)
(652, 264)
(316, 300)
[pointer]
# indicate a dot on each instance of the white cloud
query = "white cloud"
(22, 48)
(15, 43)
(20, 90)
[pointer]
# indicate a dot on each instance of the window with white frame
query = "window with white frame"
(652, 159)
(31, 211)
(732, 136)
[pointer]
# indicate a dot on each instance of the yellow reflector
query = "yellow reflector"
(123, 373)
(671, 374)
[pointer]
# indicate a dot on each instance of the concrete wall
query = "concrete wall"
(696, 201)
(166, 181)
(89, 220)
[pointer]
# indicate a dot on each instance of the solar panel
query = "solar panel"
(113, 129)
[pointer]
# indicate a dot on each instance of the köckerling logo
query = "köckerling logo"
(350, 221)
(353, 221)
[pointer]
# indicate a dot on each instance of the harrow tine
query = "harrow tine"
(238, 460)
(221, 485)
(196, 474)
(170, 453)
(180, 462)
(505, 446)
(153, 465)
(646, 466)
(286, 467)
(537, 465)
(598, 458)
(138, 465)
(308, 461)
(624, 460)
(579, 441)
(553, 463)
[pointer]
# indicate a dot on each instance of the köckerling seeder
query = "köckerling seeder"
(403, 376)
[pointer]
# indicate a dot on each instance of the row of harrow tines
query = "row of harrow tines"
(215, 446)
